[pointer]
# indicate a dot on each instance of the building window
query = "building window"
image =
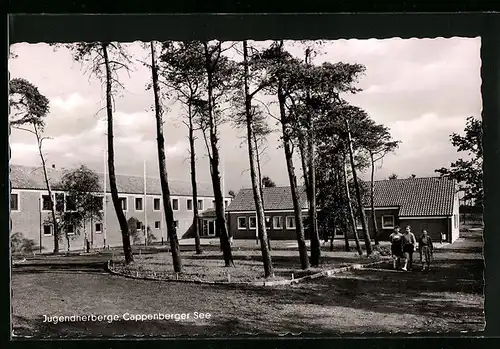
(268, 222)
(124, 203)
(70, 229)
(46, 203)
(14, 202)
(388, 222)
(47, 229)
(242, 223)
(175, 204)
(59, 202)
(200, 204)
(157, 224)
(156, 204)
(290, 222)
(70, 204)
(252, 222)
(139, 225)
(98, 228)
(138, 204)
(189, 204)
(277, 222)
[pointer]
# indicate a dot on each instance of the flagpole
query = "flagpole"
(223, 183)
(145, 210)
(224, 196)
(104, 203)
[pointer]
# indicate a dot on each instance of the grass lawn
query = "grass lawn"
(447, 299)
(209, 266)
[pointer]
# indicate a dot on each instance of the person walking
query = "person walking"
(409, 242)
(396, 248)
(425, 248)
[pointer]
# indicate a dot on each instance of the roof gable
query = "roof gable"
(275, 198)
(428, 196)
(31, 177)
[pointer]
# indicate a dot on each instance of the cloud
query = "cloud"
(423, 89)
(425, 146)
(70, 103)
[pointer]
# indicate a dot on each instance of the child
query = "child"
(396, 250)
(409, 242)
(425, 248)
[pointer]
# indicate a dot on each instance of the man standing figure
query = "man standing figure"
(396, 249)
(409, 242)
(425, 248)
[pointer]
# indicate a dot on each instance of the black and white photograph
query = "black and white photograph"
(171, 189)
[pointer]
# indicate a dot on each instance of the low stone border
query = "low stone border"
(325, 273)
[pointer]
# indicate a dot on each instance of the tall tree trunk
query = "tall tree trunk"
(67, 242)
(352, 217)
(372, 201)
(361, 210)
(165, 190)
(194, 185)
(39, 141)
(259, 172)
(334, 230)
(303, 160)
(340, 183)
(299, 227)
(256, 186)
(311, 193)
(127, 249)
(220, 220)
(311, 188)
(305, 174)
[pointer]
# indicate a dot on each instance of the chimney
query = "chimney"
(53, 166)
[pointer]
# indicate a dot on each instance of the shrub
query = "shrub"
(20, 244)
(133, 231)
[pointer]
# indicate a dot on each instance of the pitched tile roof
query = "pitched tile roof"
(31, 177)
(429, 196)
(275, 198)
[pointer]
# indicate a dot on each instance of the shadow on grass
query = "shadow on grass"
(450, 294)
(460, 250)
(225, 326)
(88, 267)
(418, 293)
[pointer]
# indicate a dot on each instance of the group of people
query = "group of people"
(403, 246)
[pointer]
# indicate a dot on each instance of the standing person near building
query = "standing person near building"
(409, 242)
(425, 248)
(396, 248)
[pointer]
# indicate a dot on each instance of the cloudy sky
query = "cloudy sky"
(422, 89)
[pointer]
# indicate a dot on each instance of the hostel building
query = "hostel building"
(423, 203)
(30, 208)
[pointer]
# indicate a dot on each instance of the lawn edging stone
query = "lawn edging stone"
(324, 273)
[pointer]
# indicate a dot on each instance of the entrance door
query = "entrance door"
(211, 228)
